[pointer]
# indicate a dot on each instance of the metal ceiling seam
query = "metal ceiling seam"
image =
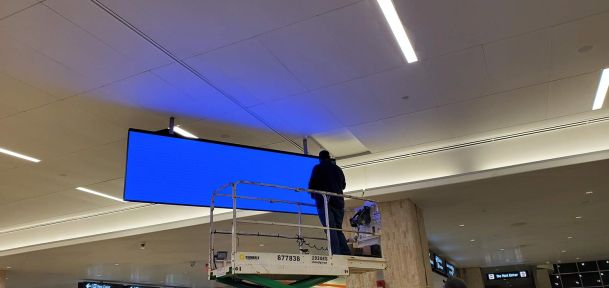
(22, 9)
(479, 142)
(74, 218)
(191, 69)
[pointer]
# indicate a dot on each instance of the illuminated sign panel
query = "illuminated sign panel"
(507, 275)
(172, 170)
(450, 270)
(107, 285)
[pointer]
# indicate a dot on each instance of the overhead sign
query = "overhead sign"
(174, 170)
(507, 275)
(439, 264)
(98, 285)
(108, 285)
(450, 270)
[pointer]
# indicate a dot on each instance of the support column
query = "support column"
(2, 279)
(542, 278)
(473, 277)
(404, 245)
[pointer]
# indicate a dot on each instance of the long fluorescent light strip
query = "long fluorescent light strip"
(83, 189)
(601, 92)
(184, 133)
(18, 155)
(393, 19)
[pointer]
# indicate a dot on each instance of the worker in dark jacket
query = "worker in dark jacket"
(328, 177)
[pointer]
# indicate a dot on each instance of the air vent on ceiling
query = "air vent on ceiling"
(479, 142)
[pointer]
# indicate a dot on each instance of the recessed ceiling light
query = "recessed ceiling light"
(578, 217)
(472, 240)
(261, 245)
(8, 267)
(83, 189)
(461, 225)
(601, 92)
(563, 251)
(501, 249)
(184, 133)
(393, 19)
(19, 155)
(589, 192)
(570, 237)
(585, 49)
(116, 264)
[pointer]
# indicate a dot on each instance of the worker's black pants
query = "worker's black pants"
(338, 242)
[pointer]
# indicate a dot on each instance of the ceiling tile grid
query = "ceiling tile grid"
(48, 32)
(345, 44)
(208, 25)
(248, 72)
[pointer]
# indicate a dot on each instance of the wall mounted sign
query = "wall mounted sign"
(507, 275)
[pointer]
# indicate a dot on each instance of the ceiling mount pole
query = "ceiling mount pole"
(305, 145)
(171, 125)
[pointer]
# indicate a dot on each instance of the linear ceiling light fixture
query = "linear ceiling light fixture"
(393, 19)
(18, 155)
(83, 189)
(601, 92)
(184, 133)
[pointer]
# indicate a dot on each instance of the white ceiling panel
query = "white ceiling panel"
(347, 43)
(513, 17)
(572, 95)
(402, 131)
(17, 96)
(497, 111)
(426, 84)
(458, 76)
(28, 182)
(38, 70)
(211, 24)
(580, 47)
(50, 206)
(340, 142)
(150, 92)
(48, 32)
(112, 187)
(124, 116)
(436, 27)
(380, 95)
(107, 29)
(248, 72)
(202, 101)
(8, 7)
(519, 61)
(297, 115)
(57, 129)
(98, 164)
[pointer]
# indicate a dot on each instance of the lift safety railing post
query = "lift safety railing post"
(327, 224)
(234, 230)
(233, 195)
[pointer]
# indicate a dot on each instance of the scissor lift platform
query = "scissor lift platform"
(277, 270)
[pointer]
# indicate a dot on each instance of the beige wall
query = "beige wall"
(2, 279)
(473, 277)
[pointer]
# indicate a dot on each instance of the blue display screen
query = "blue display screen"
(172, 170)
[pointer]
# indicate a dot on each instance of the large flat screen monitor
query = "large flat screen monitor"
(173, 170)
